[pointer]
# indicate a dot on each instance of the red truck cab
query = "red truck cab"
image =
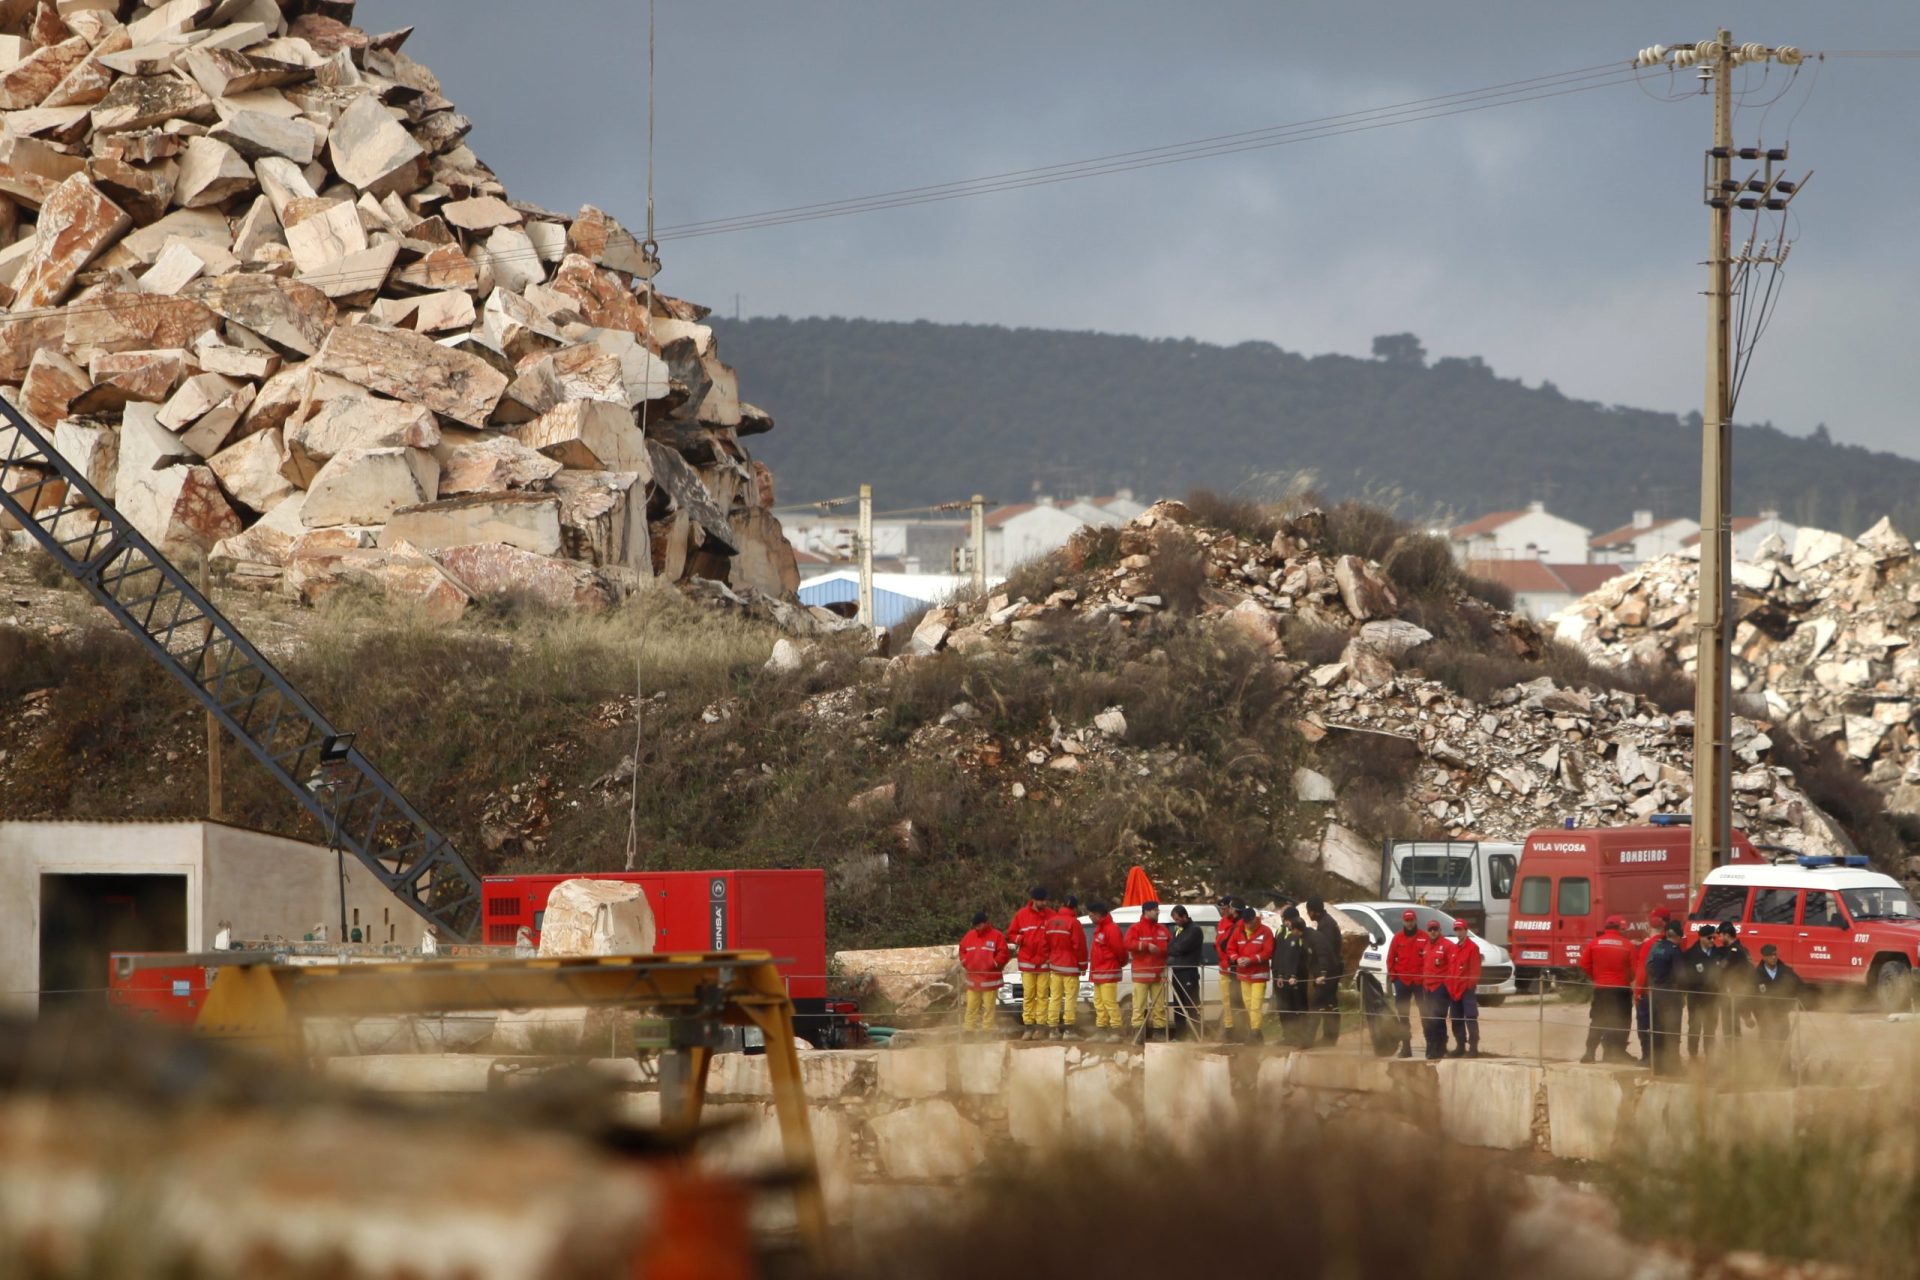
(1836, 923)
(1572, 878)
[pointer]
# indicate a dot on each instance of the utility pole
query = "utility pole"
(977, 537)
(1715, 61)
(865, 539)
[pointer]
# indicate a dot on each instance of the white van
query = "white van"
(1471, 880)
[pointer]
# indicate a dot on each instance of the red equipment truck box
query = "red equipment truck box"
(1572, 878)
(783, 913)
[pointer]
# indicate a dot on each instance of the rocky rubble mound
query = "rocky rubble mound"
(268, 300)
(1533, 754)
(1823, 633)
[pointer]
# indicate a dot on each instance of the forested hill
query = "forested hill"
(932, 412)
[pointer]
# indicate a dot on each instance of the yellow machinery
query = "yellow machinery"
(264, 1004)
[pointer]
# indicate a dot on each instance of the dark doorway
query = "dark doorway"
(85, 918)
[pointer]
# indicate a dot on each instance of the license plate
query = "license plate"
(1539, 956)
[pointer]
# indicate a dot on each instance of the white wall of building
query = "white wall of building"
(1533, 534)
(1030, 534)
(266, 885)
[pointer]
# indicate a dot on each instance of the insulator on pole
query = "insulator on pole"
(1788, 56)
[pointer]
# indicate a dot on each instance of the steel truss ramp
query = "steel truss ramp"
(360, 811)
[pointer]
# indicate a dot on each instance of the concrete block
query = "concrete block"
(913, 1073)
(1188, 1091)
(1487, 1104)
(928, 1139)
(1586, 1109)
(981, 1069)
(827, 1074)
(1340, 1072)
(739, 1075)
(1853, 1049)
(1271, 1083)
(1036, 1094)
(1103, 1103)
(1669, 1120)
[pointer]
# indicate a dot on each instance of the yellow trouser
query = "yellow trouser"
(1035, 988)
(1226, 1001)
(1150, 998)
(1253, 995)
(979, 1010)
(1106, 1004)
(1066, 994)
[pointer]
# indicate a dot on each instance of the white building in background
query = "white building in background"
(1647, 538)
(1026, 531)
(1532, 534)
(1750, 532)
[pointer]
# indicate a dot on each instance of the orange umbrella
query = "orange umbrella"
(1139, 888)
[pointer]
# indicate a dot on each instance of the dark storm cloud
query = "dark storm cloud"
(1557, 239)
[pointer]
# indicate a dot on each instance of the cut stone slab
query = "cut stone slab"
(175, 269)
(367, 486)
(52, 385)
(324, 238)
(497, 571)
(270, 541)
(491, 464)
(145, 192)
(765, 559)
(214, 356)
(88, 82)
(373, 151)
(690, 494)
(440, 269)
(120, 376)
(429, 313)
(1488, 1104)
(913, 1073)
(225, 72)
(76, 224)
(481, 213)
(1189, 1092)
(414, 368)
(180, 509)
(29, 83)
(1036, 1094)
(132, 322)
(598, 237)
(599, 296)
(603, 518)
(282, 182)
(526, 521)
(357, 273)
(1586, 1105)
(516, 265)
(144, 247)
(249, 470)
(927, 1141)
(587, 435)
(211, 173)
(257, 134)
(141, 102)
(295, 318)
(94, 450)
(31, 170)
(352, 419)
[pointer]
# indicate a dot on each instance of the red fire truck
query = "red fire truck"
(1572, 878)
(783, 913)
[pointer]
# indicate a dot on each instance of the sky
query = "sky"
(1558, 239)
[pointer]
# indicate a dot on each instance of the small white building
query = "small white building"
(1541, 590)
(1750, 533)
(1026, 531)
(1645, 538)
(1532, 534)
(72, 893)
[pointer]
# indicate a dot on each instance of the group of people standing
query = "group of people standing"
(1442, 976)
(1054, 950)
(1712, 980)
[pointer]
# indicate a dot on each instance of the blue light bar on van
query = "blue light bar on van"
(1671, 819)
(1817, 860)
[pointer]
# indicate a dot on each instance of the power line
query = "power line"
(1267, 139)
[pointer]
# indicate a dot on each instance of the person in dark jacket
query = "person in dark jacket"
(1292, 979)
(1329, 967)
(1697, 969)
(1777, 992)
(1185, 951)
(1660, 979)
(1732, 979)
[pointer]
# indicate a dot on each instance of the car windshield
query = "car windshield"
(1889, 903)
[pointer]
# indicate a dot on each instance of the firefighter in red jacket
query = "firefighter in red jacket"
(1107, 960)
(1253, 966)
(1406, 959)
(1608, 962)
(1463, 982)
(1436, 964)
(1223, 935)
(1642, 1006)
(1147, 942)
(1066, 951)
(1027, 936)
(983, 955)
